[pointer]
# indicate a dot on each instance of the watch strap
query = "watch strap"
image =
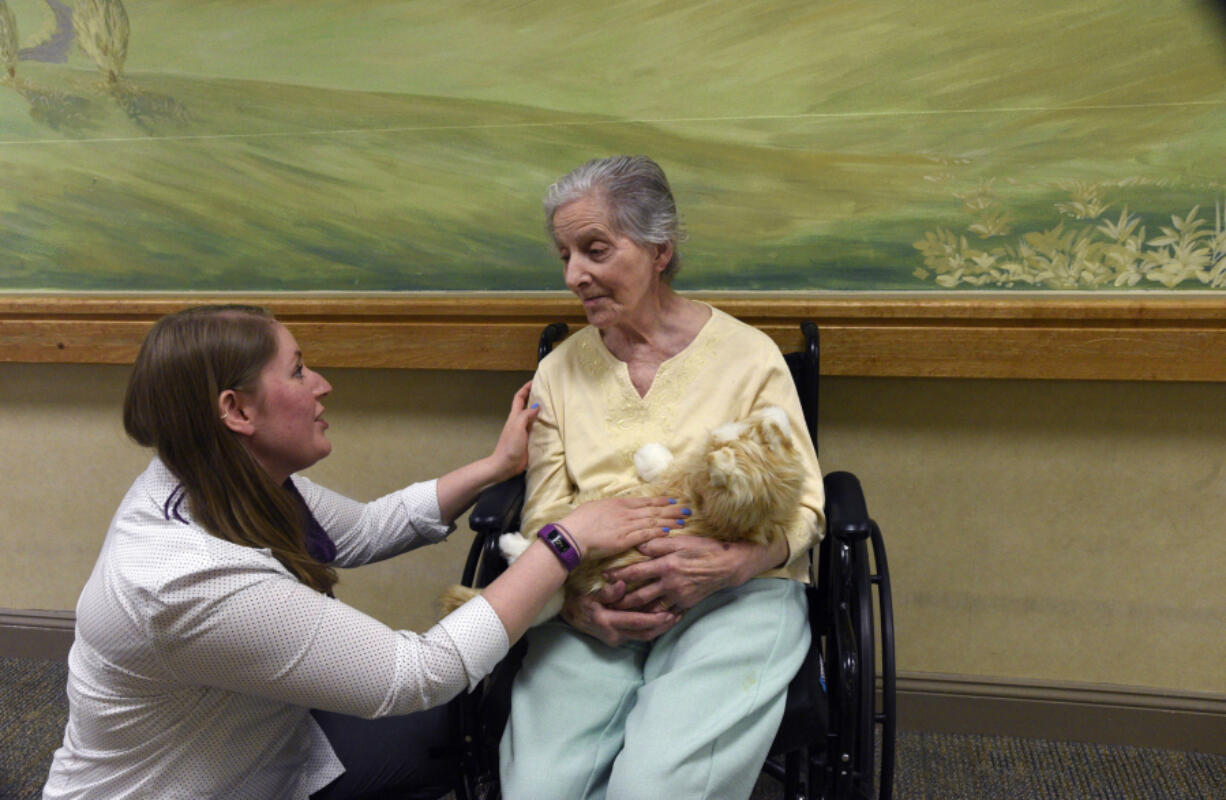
(554, 536)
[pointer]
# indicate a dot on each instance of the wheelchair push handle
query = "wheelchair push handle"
(554, 332)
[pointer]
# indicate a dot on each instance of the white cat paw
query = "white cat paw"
(651, 460)
(513, 545)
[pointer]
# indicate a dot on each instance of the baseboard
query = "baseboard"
(36, 634)
(1063, 711)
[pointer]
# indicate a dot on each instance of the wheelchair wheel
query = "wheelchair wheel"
(887, 717)
(478, 771)
(863, 628)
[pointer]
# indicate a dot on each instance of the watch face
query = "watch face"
(559, 541)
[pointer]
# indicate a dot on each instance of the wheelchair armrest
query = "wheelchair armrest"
(497, 509)
(846, 512)
(495, 513)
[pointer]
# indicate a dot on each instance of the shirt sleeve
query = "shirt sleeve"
(549, 492)
(776, 388)
(389, 526)
(253, 630)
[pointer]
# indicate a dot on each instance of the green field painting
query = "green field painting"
(365, 145)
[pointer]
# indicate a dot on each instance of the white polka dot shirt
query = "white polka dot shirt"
(196, 661)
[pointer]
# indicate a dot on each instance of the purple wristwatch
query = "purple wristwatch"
(556, 537)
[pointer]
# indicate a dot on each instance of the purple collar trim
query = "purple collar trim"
(318, 543)
(171, 507)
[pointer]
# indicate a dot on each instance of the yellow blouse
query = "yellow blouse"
(592, 419)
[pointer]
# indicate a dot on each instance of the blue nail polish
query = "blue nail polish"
(535, 405)
(680, 523)
(666, 530)
(672, 501)
(686, 511)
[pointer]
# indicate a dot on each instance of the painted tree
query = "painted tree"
(8, 41)
(102, 33)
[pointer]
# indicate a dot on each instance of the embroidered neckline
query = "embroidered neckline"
(630, 421)
(622, 369)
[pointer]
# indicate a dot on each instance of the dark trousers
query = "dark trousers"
(394, 757)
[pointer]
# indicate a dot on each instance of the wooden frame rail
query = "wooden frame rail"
(1172, 338)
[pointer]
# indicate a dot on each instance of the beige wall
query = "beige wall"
(1047, 530)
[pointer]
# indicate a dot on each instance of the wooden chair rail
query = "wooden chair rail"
(1115, 337)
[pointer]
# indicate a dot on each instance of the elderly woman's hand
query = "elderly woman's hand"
(594, 615)
(684, 570)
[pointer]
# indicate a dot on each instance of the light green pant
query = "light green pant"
(690, 715)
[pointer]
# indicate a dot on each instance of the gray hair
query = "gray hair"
(639, 199)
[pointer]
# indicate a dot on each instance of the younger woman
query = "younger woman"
(207, 632)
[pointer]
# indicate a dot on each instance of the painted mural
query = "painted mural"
(369, 145)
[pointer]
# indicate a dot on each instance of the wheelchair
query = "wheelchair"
(837, 737)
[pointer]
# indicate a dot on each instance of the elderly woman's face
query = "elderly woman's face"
(611, 273)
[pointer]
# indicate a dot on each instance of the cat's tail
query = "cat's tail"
(512, 546)
(455, 596)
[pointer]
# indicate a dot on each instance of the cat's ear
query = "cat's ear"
(723, 466)
(776, 431)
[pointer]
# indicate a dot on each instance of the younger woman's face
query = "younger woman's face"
(286, 412)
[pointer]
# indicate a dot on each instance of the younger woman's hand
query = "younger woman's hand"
(510, 456)
(604, 527)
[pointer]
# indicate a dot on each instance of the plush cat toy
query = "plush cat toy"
(743, 486)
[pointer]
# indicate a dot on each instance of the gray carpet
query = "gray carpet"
(33, 711)
(931, 766)
(938, 766)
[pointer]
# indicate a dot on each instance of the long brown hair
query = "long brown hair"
(185, 362)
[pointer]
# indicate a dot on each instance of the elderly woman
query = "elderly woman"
(207, 632)
(675, 689)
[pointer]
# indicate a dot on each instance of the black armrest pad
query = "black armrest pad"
(846, 511)
(497, 509)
